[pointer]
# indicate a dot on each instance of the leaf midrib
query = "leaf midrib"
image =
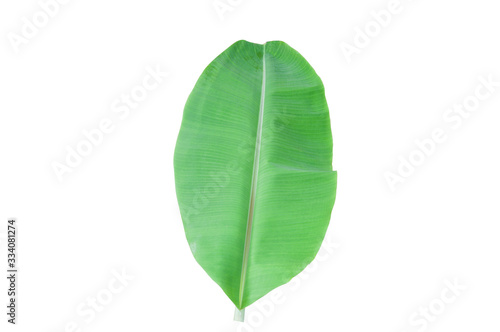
(255, 174)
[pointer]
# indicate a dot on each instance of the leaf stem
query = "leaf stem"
(253, 191)
(239, 315)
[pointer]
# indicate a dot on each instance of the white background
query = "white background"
(393, 249)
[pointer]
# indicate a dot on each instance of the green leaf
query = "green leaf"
(253, 168)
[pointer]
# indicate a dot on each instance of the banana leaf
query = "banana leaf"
(253, 169)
